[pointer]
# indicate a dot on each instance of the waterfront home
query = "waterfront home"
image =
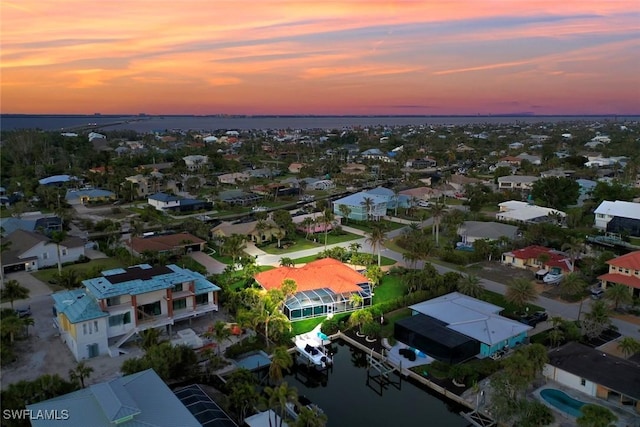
(623, 270)
(31, 221)
(123, 302)
(140, 399)
(169, 202)
(324, 287)
(517, 211)
(455, 327)
(537, 257)
(618, 217)
(597, 374)
(30, 251)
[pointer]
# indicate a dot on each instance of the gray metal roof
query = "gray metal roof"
(143, 396)
(487, 230)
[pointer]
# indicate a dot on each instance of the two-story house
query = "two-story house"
(624, 270)
(618, 217)
(123, 302)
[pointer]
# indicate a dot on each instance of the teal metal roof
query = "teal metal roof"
(140, 399)
(77, 306)
(110, 286)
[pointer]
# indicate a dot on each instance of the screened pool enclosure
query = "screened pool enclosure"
(324, 301)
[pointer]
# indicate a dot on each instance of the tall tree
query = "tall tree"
(574, 246)
(310, 417)
(345, 211)
(368, 205)
(556, 192)
(520, 292)
(80, 373)
(618, 294)
(327, 219)
(597, 320)
(629, 346)
(437, 211)
(470, 285)
(281, 360)
(574, 285)
(58, 237)
(13, 291)
(376, 239)
(277, 399)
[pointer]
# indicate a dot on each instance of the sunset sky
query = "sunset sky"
(320, 57)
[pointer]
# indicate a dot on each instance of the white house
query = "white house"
(30, 251)
(517, 211)
(195, 162)
(618, 216)
(516, 182)
(162, 201)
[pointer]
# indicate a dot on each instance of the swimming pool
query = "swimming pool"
(562, 401)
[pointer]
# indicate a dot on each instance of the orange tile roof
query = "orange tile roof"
(323, 273)
(631, 281)
(630, 261)
(164, 243)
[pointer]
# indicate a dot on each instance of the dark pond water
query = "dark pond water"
(347, 399)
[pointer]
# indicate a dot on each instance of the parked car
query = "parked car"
(424, 204)
(597, 293)
(23, 312)
(535, 318)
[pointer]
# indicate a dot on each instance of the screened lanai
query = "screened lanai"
(320, 302)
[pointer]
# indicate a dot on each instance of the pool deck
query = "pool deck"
(626, 417)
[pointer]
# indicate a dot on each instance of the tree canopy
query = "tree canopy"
(556, 192)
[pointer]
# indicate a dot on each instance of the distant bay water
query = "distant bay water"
(145, 124)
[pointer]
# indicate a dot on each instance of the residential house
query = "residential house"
(470, 231)
(169, 202)
(618, 217)
(324, 287)
(393, 198)
(89, 196)
(534, 160)
(516, 182)
(140, 399)
(57, 180)
(31, 221)
(510, 160)
(251, 230)
(321, 184)
(233, 178)
(458, 182)
(586, 188)
(179, 243)
(295, 167)
(353, 169)
(421, 193)
(359, 210)
(418, 164)
(123, 302)
(318, 226)
(195, 162)
(596, 374)
(375, 154)
(455, 327)
(239, 197)
(623, 270)
(146, 184)
(30, 251)
(537, 257)
(517, 211)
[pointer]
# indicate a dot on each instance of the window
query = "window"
(180, 304)
(583, 382)
(177, 288)
(113, 301)
(45, 255)
(95, 325)
(119, 319)
(202, 299)
(84, 329)
(63, 252)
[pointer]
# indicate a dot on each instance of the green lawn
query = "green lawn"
(301, 243)
(384, 261)
(367, 226)
(391, 318)
(391, 288)
(103, 264)
(304, 326)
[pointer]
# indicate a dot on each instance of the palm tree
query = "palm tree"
(573, 284)
(11, 325)
(261, 227)
(28, 321)
(411, 258)
(360, 317)
(280, 234)
(574, 247)
(368, 204)
(345, 211)
(520, 292)
(306, 224)
(618, 294)
(13, 291)
(375, 274)
(376, 239)
(310, 417)
(356, 300)
(278, 397)
(470, 285)
(396, 199)
(327, 219)
(233, 246)
(437, 211)
(58, 237)
(281, 360)
(629, 346)
(80, 373)
(219, 332)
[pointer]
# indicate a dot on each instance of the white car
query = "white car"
(259, 209)
(424, 204)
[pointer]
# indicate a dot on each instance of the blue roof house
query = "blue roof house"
(359, 210)
(140, 399)
(88, 196)
(393, 199)
(112, 308)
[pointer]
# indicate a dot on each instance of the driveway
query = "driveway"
(213, 266)
(36, 286)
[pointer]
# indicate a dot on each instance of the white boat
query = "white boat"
(552, 278)
(294, 410)
(314, 352)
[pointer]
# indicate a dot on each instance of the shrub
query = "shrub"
(330, 326)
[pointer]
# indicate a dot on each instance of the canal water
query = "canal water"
(349, 400)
